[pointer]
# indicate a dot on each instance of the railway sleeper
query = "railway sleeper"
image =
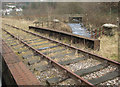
(11, 41)
(41, 68)
(7, 37)
(63, 55)
(55, 80)
(31, 62)
(37, 41)
(80, 72)
(25, 50)
(15, 44)
(88, 70)
(72, 61)
(27, 56)
(19, 47)
(30, 39)
(54, 51)
(106, 77)
(40, 44)
(44, 48)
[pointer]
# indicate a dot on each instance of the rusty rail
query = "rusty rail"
(70, 74)
(89, 42)
(76, 77)
(72, 47)
(14, 71)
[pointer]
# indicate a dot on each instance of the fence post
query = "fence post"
(91, 34)
(99, 32)
(103, 31)
(42, 23)
(48, 23)
(95, 33)
(53, 25)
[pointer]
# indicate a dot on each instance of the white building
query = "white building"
(10, 9)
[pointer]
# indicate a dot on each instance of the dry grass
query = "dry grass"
(62, 27)
(19, 22)
(24, 24)
(108, 45)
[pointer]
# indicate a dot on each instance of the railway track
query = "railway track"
(68, 38)
(65, 65)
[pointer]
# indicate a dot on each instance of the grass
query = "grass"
(108, 45)
(24, 24)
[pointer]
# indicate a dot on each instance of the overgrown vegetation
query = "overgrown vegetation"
(95, 13)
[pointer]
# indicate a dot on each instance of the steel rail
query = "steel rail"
(74, 76)
(89, 42)
(72, 47)
(15, 70)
